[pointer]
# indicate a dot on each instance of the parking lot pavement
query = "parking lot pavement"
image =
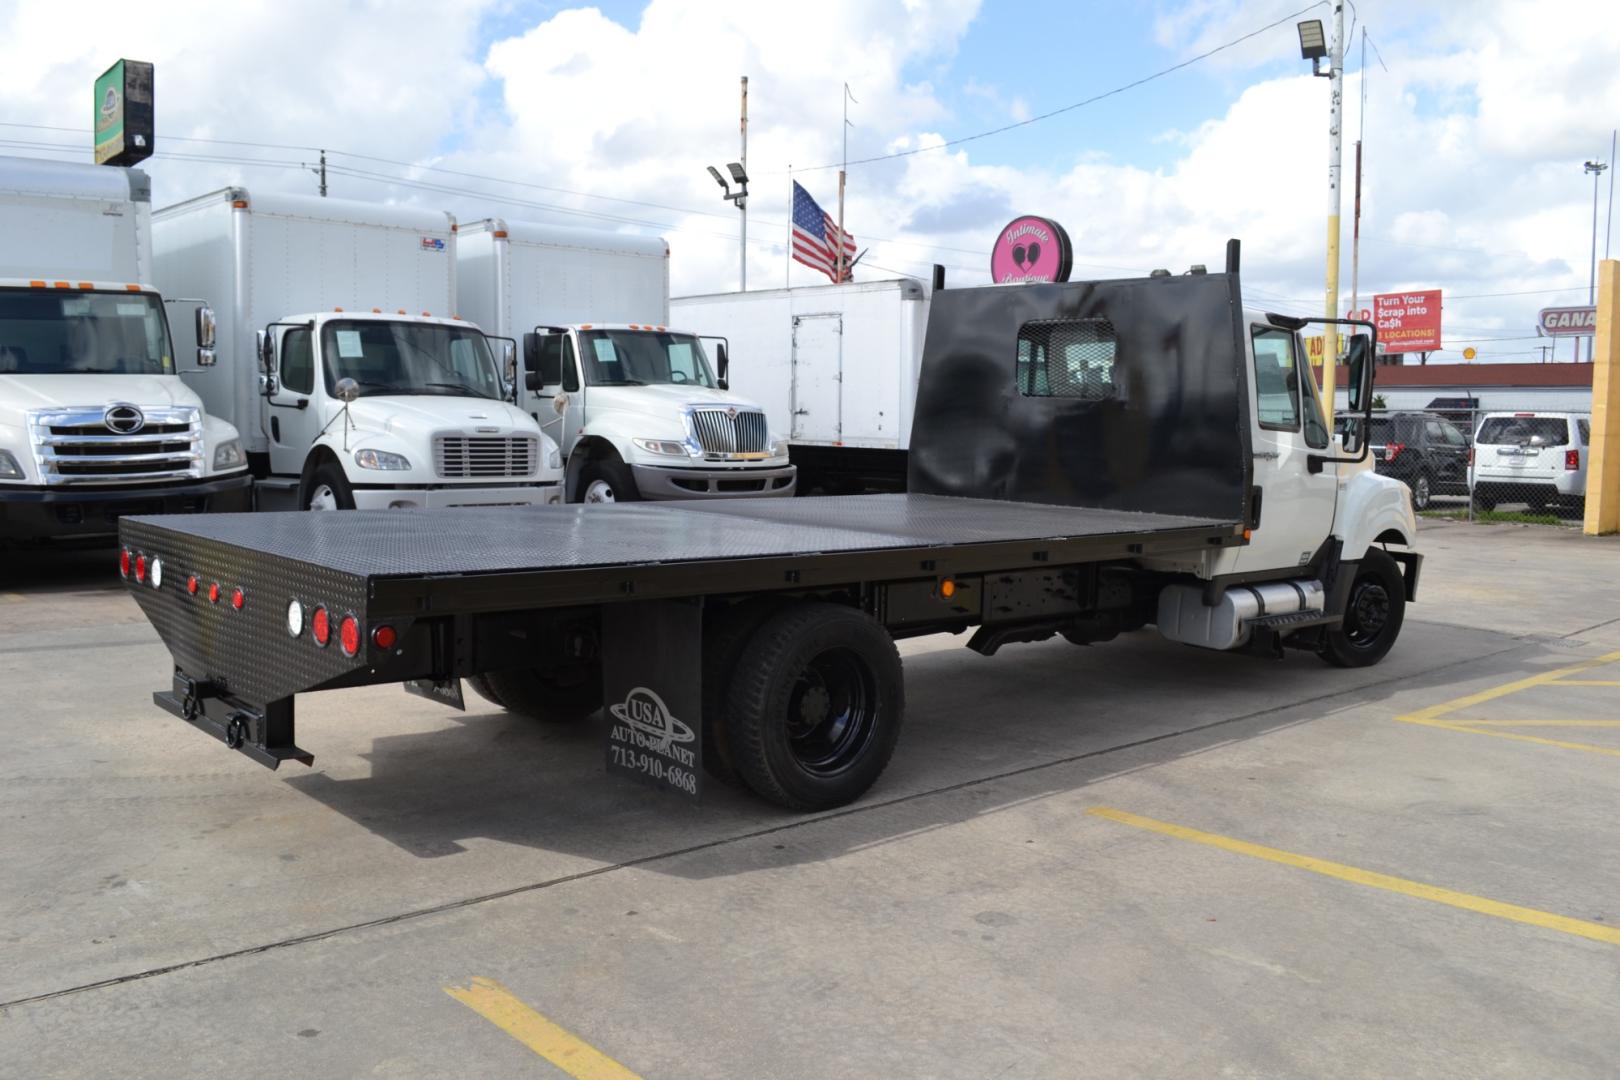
(1133, 859)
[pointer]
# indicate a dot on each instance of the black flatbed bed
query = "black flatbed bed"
(469, 560)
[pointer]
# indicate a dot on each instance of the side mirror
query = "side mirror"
(531, 380)
(267, 352)
(509, 357)
(531, 352)
(205, 357)
(206, 327)
(1359, 357)
(723, 362)
(347, 390)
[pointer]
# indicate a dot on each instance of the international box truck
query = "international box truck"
(95, 420)
(639, 407)
(342, 357)
(835, 367)
(1087, 459)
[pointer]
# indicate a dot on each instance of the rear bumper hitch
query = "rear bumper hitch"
(263, 734)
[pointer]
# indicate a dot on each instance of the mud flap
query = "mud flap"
(652, 679)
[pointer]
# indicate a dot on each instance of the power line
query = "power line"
(1070, 108)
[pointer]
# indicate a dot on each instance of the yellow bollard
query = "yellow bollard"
(1603, 467)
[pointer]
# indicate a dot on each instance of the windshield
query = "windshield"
(641, 358)
(409, 358)
(1519, 430)
(59, 331)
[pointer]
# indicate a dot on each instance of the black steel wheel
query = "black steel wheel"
(557, 696)
(813, 710)
(1372, 616)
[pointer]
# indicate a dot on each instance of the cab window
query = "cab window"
(297, 362)
(1276, 379)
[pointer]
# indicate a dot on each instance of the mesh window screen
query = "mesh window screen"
(1068, 358)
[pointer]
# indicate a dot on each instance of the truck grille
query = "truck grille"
(463, 457)
(121, 444)
(730, 431)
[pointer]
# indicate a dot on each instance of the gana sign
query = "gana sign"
(1568, 321)
(1408, 321)
(1031, 249)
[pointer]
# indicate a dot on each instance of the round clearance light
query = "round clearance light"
(157, 573)
(213, 593)
(140, 568)
(192, 584)
(349, 635)
(320, 627)
(238, 599)
(384, 637)
(947, 588)
(123, 562)
(295, 618)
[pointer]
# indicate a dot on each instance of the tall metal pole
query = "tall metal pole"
(848, 97)
(1355, 229)
(1608, 222)
(787, 262)
(1596, 169)
(742, 204)
(1330, 332)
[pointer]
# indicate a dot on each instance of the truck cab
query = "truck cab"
(641, 413)
(95, 421)
(378, 412)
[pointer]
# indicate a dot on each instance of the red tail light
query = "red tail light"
(349, 635)
(192, 584)
(213, 593)
(1572, 460)
(384, 637)
(238, 599)
(1393, 450)
(320, 627)
(140, 568)
(1470, 455)
(123, 562)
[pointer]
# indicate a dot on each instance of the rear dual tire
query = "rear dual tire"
(563, 696)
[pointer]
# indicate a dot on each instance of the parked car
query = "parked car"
(1423, 450)
(1532, 457)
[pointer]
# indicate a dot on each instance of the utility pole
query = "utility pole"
(1330, 332)
(848, 97)
(320, 172)
(742, 204)
(1596, 169)
(1355, 229)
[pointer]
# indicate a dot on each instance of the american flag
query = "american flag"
(815, 237)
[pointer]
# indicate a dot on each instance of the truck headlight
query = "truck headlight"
(381, 459)
(666, 447)
(779, 448)
(9, 469)
(554, 457)
(228, 454)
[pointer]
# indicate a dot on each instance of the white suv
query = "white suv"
(1530, 457)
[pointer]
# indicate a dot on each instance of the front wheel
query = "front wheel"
(813, 710)
(329, 489)
(607, 482)
(1372, 615)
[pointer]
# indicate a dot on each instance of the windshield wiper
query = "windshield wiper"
(460, 388)
(620, 382)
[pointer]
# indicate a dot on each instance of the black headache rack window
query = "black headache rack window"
(1126, 395)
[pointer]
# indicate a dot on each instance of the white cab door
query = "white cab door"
(818, 371)
(293, 418)
(1296, 505)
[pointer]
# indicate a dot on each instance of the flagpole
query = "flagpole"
(787, 263)
(848, 97)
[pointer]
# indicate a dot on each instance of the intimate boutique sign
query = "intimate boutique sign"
(1031, 249)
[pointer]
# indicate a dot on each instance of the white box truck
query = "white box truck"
(636, 405)
(95, 422)
(836, 367)
(342, 359)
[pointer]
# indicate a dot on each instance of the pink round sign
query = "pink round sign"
(1031, 249)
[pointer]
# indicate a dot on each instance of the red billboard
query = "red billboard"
(1408, 321)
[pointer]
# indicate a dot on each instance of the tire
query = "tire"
(724, 640)
(1422, 491)
(607, 481)
(790, 741)
(1484, 503)
(328, 489)
(1373, 614)
(563, 696)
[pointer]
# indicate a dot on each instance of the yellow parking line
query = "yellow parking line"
(1371, 879)
(1538, 723)
(1587, 682)
(1463, 725)
(1455, 704)
(562, 1048)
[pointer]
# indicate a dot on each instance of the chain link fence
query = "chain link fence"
(1526, 465)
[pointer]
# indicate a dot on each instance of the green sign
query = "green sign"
(123, 119)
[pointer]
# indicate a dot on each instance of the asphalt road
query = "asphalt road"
(1137, 859)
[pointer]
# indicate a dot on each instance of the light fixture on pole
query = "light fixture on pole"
(1596, 169)
(739, 176)
(1314, 46)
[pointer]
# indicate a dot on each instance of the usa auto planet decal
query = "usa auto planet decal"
(647, 739)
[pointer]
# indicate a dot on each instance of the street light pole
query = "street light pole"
(1330, 332)
(742, 204)
(1596, 169)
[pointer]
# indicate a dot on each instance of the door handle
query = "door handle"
(1268, 455)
